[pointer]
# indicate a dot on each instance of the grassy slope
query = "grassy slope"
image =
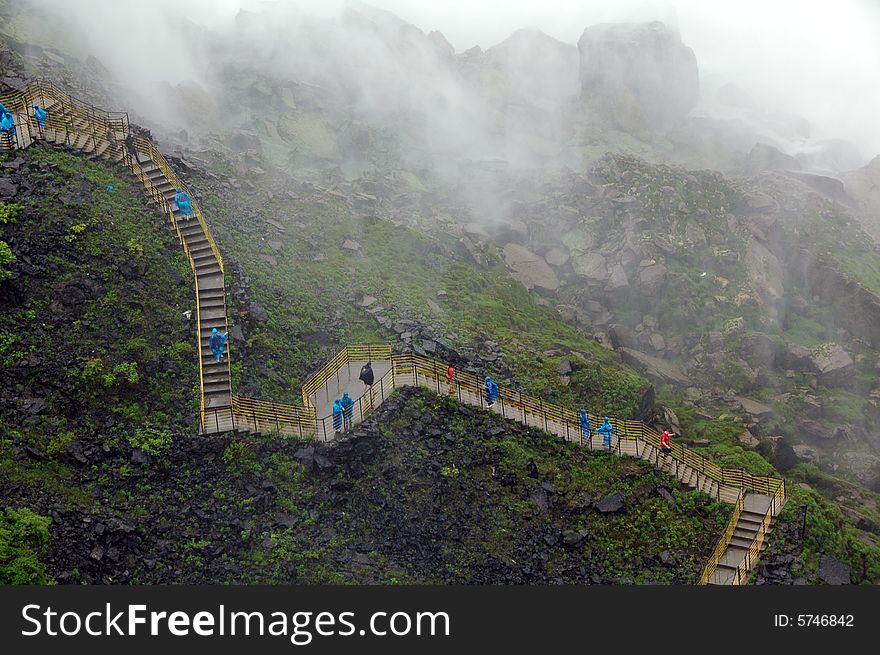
(313, 304)
(120, 360)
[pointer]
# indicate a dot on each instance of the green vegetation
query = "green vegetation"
(151, 440)
(403, 268)
(24, 542)
(828, 532)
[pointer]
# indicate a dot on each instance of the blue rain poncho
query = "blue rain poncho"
(337, 414)
(7, 124)
(585, 424)
(40, 115)
(491, 390)
(184, 204)
(217, 342)
(347, 407)
(607, 431)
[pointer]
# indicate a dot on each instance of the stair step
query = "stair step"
(741, 542)
(211, 305)
(198, 242)
(748, 522)
(212, 313)
(208, 269)
(212, 300)
(191, 230)
(200, 249)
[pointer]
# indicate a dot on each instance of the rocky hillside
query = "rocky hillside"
(594, 238)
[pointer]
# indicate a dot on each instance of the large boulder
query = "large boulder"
(758, 411)
(641, 76)
(832, 363)
(530, 269)
(764, 157)
(532, 67)
(655, 369)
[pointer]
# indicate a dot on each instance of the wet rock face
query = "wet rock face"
(642, 74)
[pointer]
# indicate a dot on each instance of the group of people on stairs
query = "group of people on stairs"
(7, 124)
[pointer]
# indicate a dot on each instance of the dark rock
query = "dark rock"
(540, 499)
(573, 538)
(532, 469)
(833, 571)
(610, 504)
(35, 406)
(784, 457)
(306, 457)
(646, 405)
(7, 188)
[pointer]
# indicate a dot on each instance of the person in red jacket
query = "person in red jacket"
(665, 446)
(450, 377)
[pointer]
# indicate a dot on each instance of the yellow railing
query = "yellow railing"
(724, 540)
(751, 557)
(361, 352)
(146, 146)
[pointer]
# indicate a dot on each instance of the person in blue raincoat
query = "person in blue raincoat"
(585, 425)
(347, 409)
(40, 115)
(607, 432)
(491, 391)
(217, 344)
(184, 204)
(7, 127)
(337, 415)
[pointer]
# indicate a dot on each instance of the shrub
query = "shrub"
(59, 444)
(151, 440)
(6, 258)
(128, 371)
(24, 539)
(9, 212)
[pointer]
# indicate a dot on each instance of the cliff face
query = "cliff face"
(641, 75)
